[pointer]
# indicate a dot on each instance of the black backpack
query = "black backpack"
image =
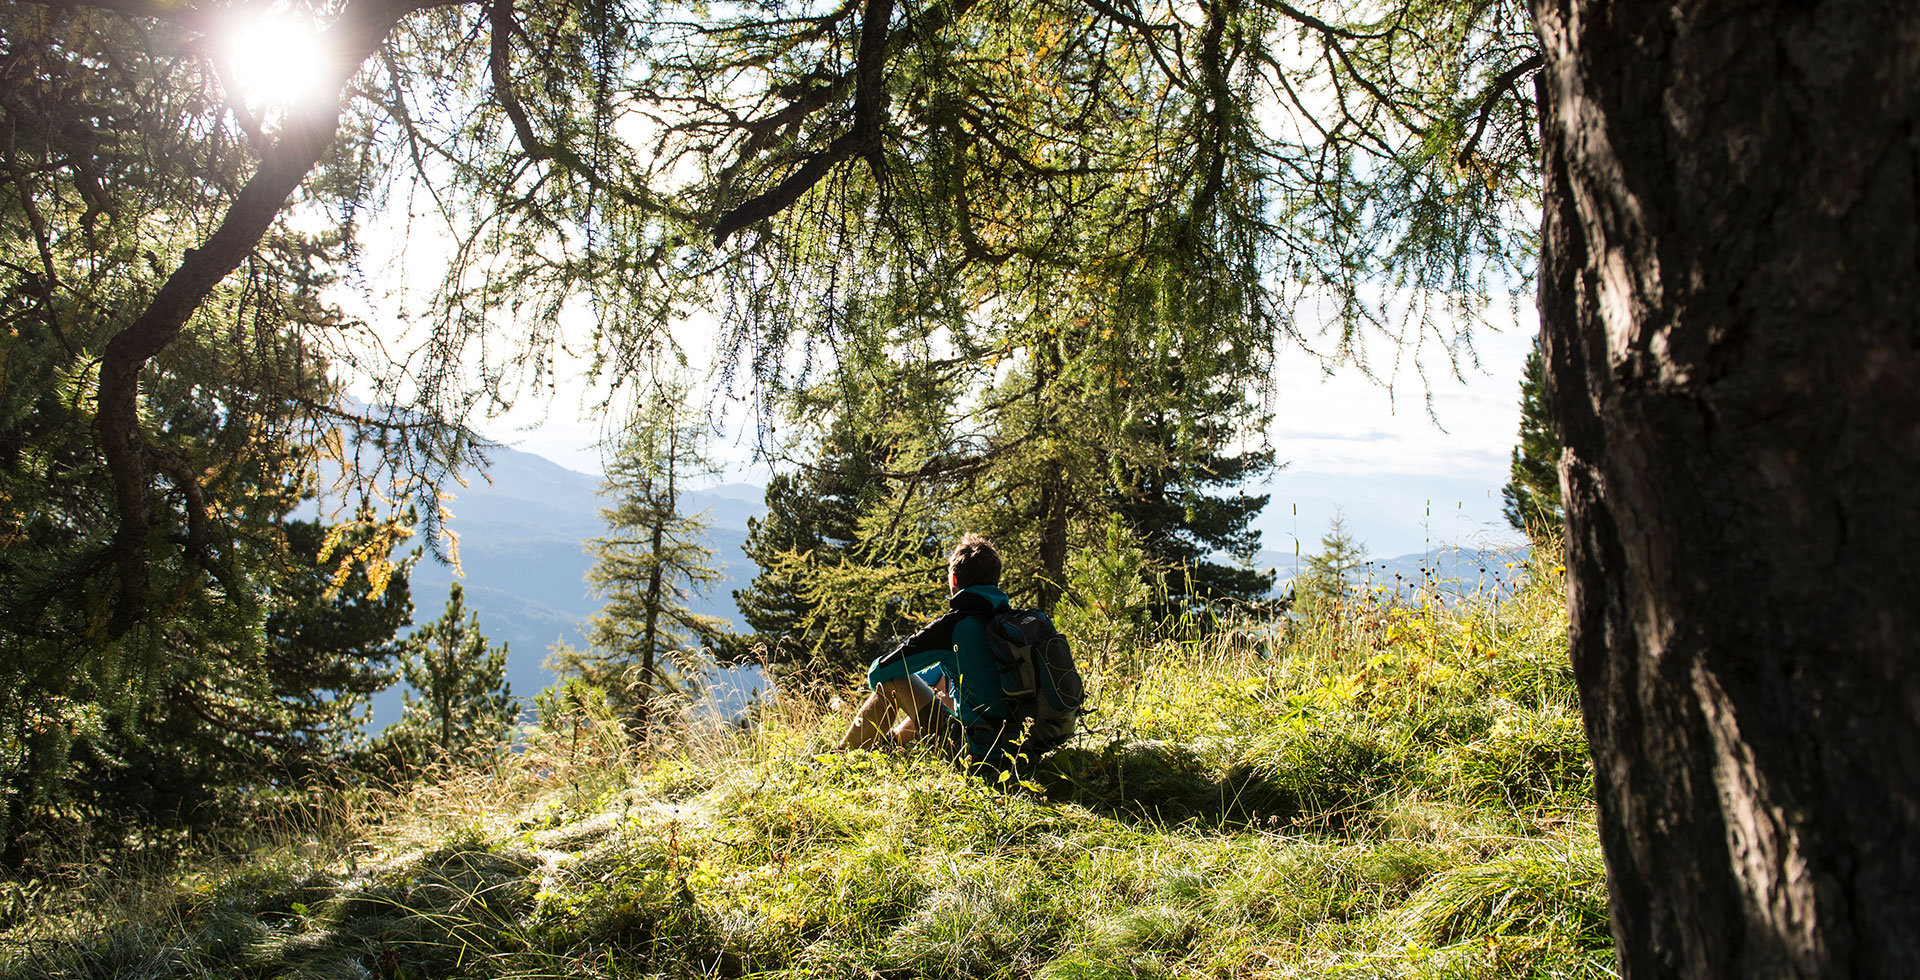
(1042, 687)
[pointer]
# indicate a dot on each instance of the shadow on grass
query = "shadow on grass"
(1328, 786)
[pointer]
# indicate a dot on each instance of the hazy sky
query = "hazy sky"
(1402, 483)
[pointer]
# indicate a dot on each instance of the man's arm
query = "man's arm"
(932, 645)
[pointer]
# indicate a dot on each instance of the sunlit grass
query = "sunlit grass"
(1396, 791)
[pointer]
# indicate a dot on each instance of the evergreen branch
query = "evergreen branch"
(1303, 18)
(1331, 36)
(863, 138)
(50, 278)
(308, 132)
(1146, 31)
(193, 19)
(503, 28)
(1490, 97)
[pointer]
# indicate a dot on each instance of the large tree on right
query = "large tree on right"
(1730, 285)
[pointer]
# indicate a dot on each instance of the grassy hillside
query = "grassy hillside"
(1402, 792)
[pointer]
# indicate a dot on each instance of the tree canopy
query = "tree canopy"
(1170, 179)
(1006, 230)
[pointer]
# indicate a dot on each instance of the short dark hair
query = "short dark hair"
(974, 562)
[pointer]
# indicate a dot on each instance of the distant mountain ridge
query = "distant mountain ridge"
(1452, 571)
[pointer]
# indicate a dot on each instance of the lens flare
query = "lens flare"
(274, 62)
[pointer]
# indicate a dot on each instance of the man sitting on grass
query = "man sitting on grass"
(943, 682)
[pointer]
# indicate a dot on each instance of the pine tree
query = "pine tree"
(650, 564)
(1107, 597)
(458, 706)
(1324, 590)
(812, 520)
(852, 551)
(1533, 493)
(1183, 506)
(235, 724)
(332, 645)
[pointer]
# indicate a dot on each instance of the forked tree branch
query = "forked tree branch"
(1492, 96)
(309, 130)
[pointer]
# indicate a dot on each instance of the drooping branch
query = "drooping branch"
(48, 280)
(1488, 99)
(308, 131)
(771, 202)
(502, 29)
(1212, 65)
(191, 18)
(870, 84)
(1331, 36)
(863, 138)
(1147, 31)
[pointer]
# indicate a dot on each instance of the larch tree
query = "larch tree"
(1726, 289)
(1184, 173)
(1730, 290)
(652, 562)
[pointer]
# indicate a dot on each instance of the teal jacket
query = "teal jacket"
(957, 644)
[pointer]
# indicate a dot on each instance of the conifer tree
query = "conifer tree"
(651, 563)
(1184, 506)
(1325, 588)
(812, 522)
(1532, 494)
(458, 706)
(332, 644)
(1107, 597)
(853, 549)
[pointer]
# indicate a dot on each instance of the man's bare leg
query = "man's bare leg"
(907, 695)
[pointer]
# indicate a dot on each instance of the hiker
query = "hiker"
(942, 681)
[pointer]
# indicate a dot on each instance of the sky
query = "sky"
(1402, 480)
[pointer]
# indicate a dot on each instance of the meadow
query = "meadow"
(1397, 788)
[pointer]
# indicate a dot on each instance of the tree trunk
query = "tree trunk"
(1729, 285)
(308, 131)
(1054, 492)
(1053, 538)
(650, 633)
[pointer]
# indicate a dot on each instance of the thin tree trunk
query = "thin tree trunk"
(1053, 490)
(656, 576)
(1730, 284)
(1053, 538)
(650, 633)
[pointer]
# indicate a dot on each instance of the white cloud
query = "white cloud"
(1405, 480)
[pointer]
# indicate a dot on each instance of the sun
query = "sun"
(274, 62)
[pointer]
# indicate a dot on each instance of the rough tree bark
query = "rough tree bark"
(1730, 287)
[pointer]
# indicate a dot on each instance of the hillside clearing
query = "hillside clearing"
(1395, 791)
